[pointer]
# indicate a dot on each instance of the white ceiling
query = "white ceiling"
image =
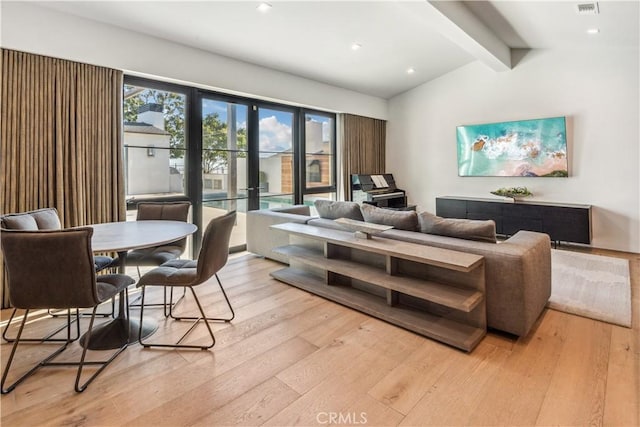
(313, 39)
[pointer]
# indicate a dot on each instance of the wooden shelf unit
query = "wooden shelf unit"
(399, 282)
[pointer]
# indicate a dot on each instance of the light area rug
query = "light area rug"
(593, 286)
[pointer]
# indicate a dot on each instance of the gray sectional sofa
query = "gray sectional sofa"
(517, 270)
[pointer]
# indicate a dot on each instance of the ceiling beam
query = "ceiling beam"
(454, 21)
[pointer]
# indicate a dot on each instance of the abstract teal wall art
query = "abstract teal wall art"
(520, 148)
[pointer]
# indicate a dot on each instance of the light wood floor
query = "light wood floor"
(291, 358)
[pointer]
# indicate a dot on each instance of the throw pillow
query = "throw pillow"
(469, 229)
(402, 220)
(20, 222)
(330, 209)
(47, 219)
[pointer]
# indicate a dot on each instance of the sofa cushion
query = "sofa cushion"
(330, 209)
(469, 229)
(402, 220)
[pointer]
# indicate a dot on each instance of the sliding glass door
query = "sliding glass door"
(225, 180)
(276, 158)
(223, 152)
(318, 161)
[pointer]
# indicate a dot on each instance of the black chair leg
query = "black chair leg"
(47, 361)
(233, 313)
(211, 319)
(40, 364)
(112, 313)
(167, 307)
(203, 317)
(47, 338)
(103, 363)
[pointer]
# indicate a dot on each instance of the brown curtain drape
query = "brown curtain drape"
(61, 134)
(363, 147)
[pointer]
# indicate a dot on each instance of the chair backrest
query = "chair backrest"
(40, 219)
(170, 211)
(50, 268)
(215, 246)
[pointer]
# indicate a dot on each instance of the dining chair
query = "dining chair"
(45, 219)
(189, 274)
(54, 269)
(157, 255)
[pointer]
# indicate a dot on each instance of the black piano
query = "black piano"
(378, 190)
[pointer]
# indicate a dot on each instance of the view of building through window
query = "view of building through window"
(319, 144)
(154, 143)
(160, 161)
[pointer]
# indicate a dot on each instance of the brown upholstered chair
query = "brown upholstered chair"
(54, 269)
(44, 219)
(189, 274)
(157, 255)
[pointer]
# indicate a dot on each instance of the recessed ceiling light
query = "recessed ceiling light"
(411, 70)
(355, 46)
(264, 7)
(593, 30)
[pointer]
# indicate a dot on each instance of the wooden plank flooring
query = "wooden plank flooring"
(291, 358)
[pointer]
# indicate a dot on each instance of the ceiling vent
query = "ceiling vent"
(588, 9)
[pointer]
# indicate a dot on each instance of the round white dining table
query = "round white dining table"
(122, 237)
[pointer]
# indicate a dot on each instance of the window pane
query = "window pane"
(151, 171)
(319, 169)
(214, 209)
(154, 142)
(319, 134)
(276, 201)
(226, 175)
(276, 152)
(319, 150)
(224, 164)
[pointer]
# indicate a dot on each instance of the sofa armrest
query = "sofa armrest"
(261, 238)
(534, 287)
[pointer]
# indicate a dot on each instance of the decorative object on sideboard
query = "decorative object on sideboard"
(514, 193)
(361, 229)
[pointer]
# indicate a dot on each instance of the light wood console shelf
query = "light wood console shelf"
(438, 293)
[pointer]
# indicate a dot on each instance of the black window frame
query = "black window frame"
(302, 157)
(193, 145)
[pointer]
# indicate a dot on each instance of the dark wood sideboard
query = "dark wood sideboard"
(562, 222)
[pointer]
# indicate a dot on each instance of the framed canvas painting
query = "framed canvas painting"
(528, 148)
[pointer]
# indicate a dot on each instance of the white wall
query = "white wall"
(597, 90)
(272, 166)
(147, 174)
(34, 29)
